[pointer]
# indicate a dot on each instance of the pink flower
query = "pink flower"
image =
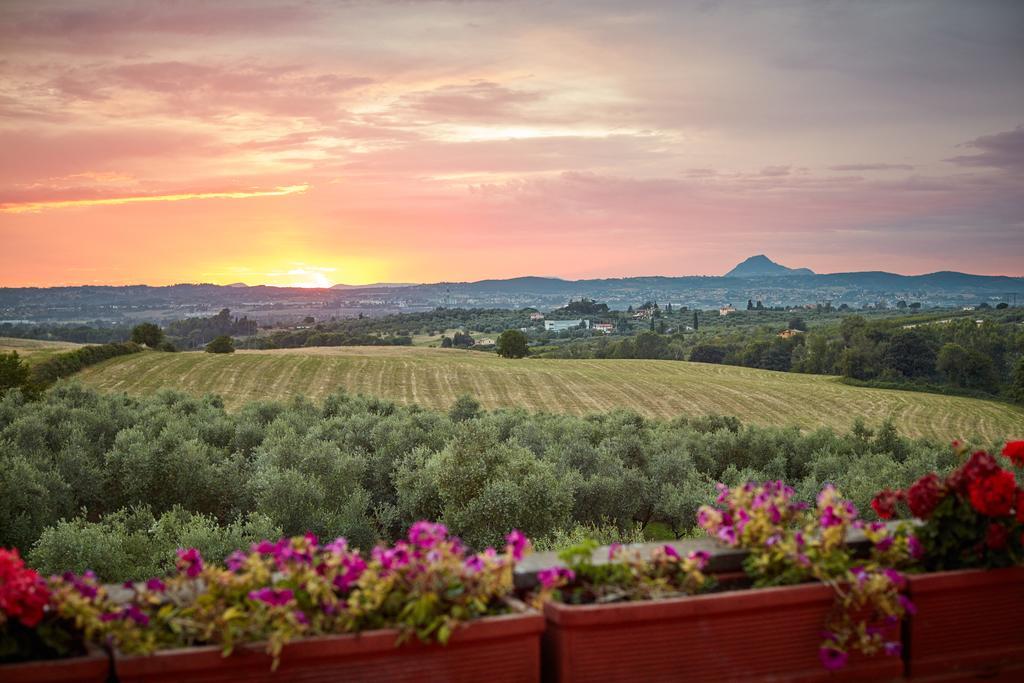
(235, 560)
(671, 552)
(518, 543)
(190, 562)
(424, 534)
(832, 658)
(272, 596)
(156, 585)
(474, 564)
(553, 577)
(914, 547)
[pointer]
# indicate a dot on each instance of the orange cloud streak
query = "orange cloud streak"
(34, 207)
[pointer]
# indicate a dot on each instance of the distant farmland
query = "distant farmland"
(35, 350)
(434, 378)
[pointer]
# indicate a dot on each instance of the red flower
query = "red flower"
(924, 495)
(884, 504)
(997, 536)
(978, 466)
(1014, 450)
(995, 494)
(23, 593)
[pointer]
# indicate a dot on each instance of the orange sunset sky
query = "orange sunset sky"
(314, 143)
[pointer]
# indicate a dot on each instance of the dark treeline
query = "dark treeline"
(192, 333)
(956, 353)
(114, 483)
(80, 334)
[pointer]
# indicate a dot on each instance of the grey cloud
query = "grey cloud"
(1001, 150)
(872, 167)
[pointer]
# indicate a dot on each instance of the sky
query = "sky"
(308, 143)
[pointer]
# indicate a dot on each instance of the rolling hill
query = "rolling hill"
(433, 378)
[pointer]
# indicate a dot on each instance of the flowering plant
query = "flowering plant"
(790, 542)
(627, 575)
(425, 585)
(972, 518)
(29, 627)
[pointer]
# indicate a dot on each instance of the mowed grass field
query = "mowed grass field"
(35, 350)
(435, 377)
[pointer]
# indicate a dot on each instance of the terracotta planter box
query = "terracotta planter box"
(502, 648)
(968, 626)
(91, 668)
(769, 634)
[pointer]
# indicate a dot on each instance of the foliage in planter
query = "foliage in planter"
(789, 543)
(972, 518)
(425, 586)
(29, 628)
(627, 575)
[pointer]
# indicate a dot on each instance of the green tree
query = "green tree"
(797, 324)
(649, 345)
(511, 344)
(222, 344)
(1017, 384)
(13, 371)
(147, 333)
(966, 368)
(910, 354)
(465, 408)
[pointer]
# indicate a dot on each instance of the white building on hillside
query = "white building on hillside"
(562, 325)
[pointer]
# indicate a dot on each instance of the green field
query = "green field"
(35, 350)
(435, 377)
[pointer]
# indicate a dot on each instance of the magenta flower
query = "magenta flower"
(723, 492)
(272, 596)
(474, 564)
(701, 557)
(337, 546)
(424, 534)
(671, 552)
(155, 585)
(300, 617)
(235, 560)
(895, 577)
(832, 658)
(728, 535)
(190, 562)
(265, 547)
(914, 547)
(518, 542)
(555, 576)
(830, 518)
(130, 612)
(613, 549)
(85, 585)
(907, 605)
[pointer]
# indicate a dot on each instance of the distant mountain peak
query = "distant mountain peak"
(762, 266)
(237, 284)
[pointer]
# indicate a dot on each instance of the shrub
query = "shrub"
(221, 344)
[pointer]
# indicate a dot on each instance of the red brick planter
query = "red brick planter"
(968, 626)
(769, 634)
(85, 669)
(502, 648)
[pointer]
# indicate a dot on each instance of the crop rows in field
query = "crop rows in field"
(435, 377)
